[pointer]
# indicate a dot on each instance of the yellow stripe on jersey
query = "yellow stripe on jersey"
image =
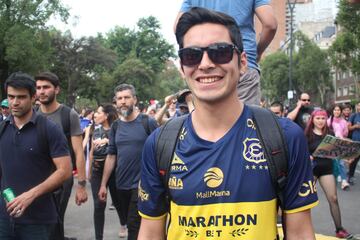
(303, 208)
(244, 220)
(150, 217)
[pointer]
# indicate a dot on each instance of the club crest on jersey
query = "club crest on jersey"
(253, 151)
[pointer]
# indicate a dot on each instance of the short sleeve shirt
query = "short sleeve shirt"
(75, 129)
(242, 12)
(127, 142)
(223, 189)
(355, 119)
(24, 165)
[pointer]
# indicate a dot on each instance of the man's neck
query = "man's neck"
(49, 108)
(213, 121)
(21, 121)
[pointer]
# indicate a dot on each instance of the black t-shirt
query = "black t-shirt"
(303, 116)
(101, 151)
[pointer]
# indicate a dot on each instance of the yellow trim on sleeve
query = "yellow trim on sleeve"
(302, 208)
(152, 218)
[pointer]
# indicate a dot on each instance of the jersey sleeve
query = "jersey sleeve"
(75, 129)
(300, 192)
(259, 3)
(112, 150)
(58, 145)
(152, 201)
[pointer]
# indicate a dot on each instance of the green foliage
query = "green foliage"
(24, 42)
(311, 71)
(274, 76)
(345, 51)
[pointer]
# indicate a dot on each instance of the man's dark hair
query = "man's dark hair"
(277, 104)
(198, 15)
(48, 76)
(347, 105)
(21, 80)
(123, 87)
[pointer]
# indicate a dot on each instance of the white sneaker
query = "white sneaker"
(123, 233)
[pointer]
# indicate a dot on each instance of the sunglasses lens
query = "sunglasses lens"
(220, 54)
(190, 56)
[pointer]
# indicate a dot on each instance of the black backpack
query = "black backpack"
(144, 122)
(268, 131)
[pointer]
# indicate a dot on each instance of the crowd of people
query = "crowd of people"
(217, 183)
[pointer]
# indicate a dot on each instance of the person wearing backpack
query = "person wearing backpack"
(33, 164)
(219, 184)
(47, 89)
(126, 141)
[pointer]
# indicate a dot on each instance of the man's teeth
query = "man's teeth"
(208, 80)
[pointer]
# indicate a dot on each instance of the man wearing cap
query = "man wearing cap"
(5, 109)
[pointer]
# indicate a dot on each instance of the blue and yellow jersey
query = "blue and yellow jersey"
(223, 189)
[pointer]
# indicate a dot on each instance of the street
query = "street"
(79, 221)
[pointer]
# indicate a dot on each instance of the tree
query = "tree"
(312, 68)
(79, 63)
(24, 41)
(345, 51)
(274, 76)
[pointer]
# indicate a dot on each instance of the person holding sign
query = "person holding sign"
(315, 132)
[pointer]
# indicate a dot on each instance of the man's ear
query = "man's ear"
(57, 90)
(243, 63)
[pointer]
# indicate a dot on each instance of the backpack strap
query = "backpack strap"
(65, 120)
(165, 146)
(2, 126)
(41, 129)
(145, 123)
(272, 140)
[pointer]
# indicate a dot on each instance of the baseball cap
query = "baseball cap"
(5, 103)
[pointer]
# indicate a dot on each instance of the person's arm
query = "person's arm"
(292, 115)
(296, 231)
(269, 24)
(108, 169)
(62, 172)
(86, 137)
(152, 229)
(81, 195)
(159, 116)
(352, 126)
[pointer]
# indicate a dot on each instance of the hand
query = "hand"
(311, 157)
(81, 195)
(299, 104)
(17, 207)
(102, 193)
(169, 99)
(100, 142)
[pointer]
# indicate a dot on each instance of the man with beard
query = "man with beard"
(126, 141)
(47, 88)
(301, 113)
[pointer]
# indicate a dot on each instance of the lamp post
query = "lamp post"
(291, 6)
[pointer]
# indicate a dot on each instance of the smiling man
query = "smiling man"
(219, 184)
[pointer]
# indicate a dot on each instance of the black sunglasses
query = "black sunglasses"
(219, 53)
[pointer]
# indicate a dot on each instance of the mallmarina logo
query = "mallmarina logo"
(210, 194)
(213, 177)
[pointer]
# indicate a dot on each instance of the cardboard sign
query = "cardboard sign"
(337, 148)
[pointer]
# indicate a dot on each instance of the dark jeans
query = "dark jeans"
(352, 167)
(62, 196)
(16, 231)
(128, 203)
(99, 206)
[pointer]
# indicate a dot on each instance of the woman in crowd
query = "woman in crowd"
(340, 128)
(315, 131)
(104, 117)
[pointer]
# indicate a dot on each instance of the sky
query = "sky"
(95, 16)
